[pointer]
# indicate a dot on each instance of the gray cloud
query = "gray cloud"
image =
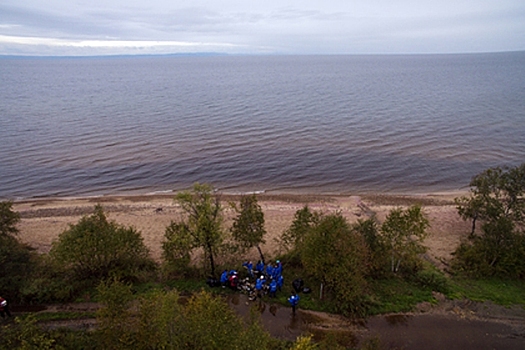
(306, 27)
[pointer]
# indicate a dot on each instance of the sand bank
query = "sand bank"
(45, 218)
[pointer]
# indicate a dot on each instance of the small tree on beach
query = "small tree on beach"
(8, 219)
(497, 201)
(176, 248)
(304, 220)
(17, 260)
(248, 227)
(96, 248)
(377, 248)
(335, 254)
(403, 233)
(494, 194)
(201, 227)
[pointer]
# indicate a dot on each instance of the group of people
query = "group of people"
(261, 279)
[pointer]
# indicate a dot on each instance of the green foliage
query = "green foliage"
(17, 260)
(432, 278)
(115, 325)
(60, 315)
(378, 250)
(201, 228)
(176, 250)
(50, 282)
(304, 343)
(160, 315)
(25, 334)
(499, 252)
(248, 227)
(160, 321)
(505, 292)
(74, 339)
(395, 294)
(497, 200)
(403, 233)
(337, 255)
(8, 219)
(293, 237)
(204, 313)
(495, 193)
(96, 248)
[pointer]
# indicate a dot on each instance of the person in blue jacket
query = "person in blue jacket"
(259, 285)
(259, 267)
(249, 266)
(278, 269)
(269, 270)
(280, 282)
(273, 288)
(224, 278)
(294, 300)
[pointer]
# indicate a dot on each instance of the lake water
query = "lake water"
(320, 124)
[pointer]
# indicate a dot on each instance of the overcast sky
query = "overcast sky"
(94, 27)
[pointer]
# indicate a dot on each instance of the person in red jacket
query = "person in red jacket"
(4, 308)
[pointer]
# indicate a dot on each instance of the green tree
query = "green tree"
(159, 321)
(403, 233)
(17, 260)
(337, 256)
(495, 193)
(304, 220)
(8, 219)
(497, 200)
(209, 323)
(115, 325)
(248, 227)
(26, 334)
(176, 248)
(96, 248)
(378, 251)
(201, 228)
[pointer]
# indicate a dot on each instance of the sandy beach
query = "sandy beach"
(42, 220)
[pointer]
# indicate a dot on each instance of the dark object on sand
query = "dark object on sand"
(213, 282)
(297, 285)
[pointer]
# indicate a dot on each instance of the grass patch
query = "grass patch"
(185, 286)
(396, 295)
(499, 291)
(59, 316)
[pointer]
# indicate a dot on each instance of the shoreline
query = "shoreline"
(447, 194)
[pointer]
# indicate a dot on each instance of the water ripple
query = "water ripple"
(322, 124)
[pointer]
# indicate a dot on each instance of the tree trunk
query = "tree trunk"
(261, 254)
(473, 226)
(397, 266)
(212, 262)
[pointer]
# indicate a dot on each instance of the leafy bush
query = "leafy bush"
(17, 260)
(432, 279)
(337, 256)
(497, 200)
(96, 249)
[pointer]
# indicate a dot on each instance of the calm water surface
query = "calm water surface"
(323, 124)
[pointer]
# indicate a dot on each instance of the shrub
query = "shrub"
(96, 249)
